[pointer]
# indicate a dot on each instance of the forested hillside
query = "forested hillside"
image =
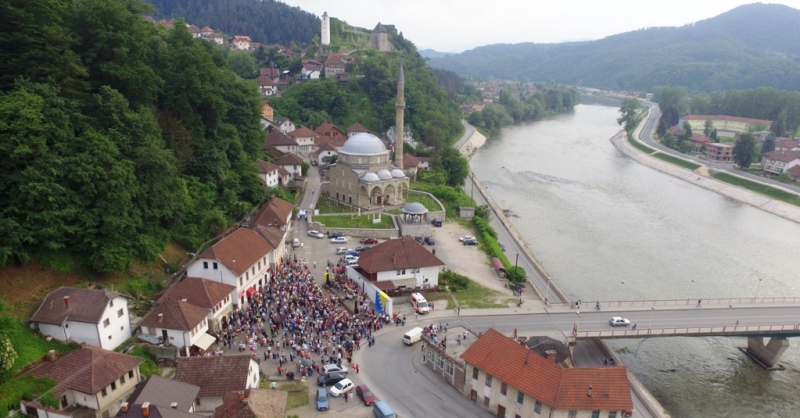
(370, 99)
(750, 46)
(264, 21)
(117, 134)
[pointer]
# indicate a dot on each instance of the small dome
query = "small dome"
(398, 173)
(370, 177)
(384, 175)
(415, 208)
(364, 144)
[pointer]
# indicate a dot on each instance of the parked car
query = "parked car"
(339, 240)
(420, 240)
(465, 237)
(618, 321)
(316, 234)
(362, 248)
(430, 241)
(353, 253)
(330, 379)
(331, 368)
(342, 250)
(369, 240)
(343, 386)
(296, 242)
(314, 162)
(502, 246)
(335, 234)
(350, 260)
(322, 399)
(437, 222)
(365, 394)
(469, 242)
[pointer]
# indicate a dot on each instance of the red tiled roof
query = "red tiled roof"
(325, 146)
(272, 234)
(396, 254)
(176, 314)
(270, 72)
(216, 375)
(239, 250)
(786, 143)
(410, 161)
(275, 212)
(266, 167)
(794, 171)
(334, 60)
(783, 155)
(357, 128)
(289, 159)
(87, 369)
(199, 292)
(303, 132)
(699, 139)
(325, 127)
(241, 38)
(725, 117)
(277, 138)
(206, 29)
(86, 305)
(544, 380)
(265, 81)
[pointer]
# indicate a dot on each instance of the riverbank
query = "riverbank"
(701, 177)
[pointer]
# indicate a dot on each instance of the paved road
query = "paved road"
(648, 137)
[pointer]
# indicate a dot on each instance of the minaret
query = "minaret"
(399, 126)
(325, 36)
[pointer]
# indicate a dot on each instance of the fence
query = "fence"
(793, 329)
(681, 302)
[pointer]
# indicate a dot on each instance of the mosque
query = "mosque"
(364, 175)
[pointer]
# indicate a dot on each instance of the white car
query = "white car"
(328, 368)
(339, 240)
(342, 250)
(350, 260)
(316, 234)
(343, 386)
(466, 238)
(618, 321)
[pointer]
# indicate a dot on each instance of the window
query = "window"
(439, 361)
(398, 272)
(109, 337)
(501, 411)
(520, 397)
(120, 313)
(475, 373)
(103, 392)
(404, 271)
(205, 264)
(612, 414)
(215, 265)
(486, 401)
(517, 416)
(489, 380)
(106, 322)
(430, 356)
(537, 407)
(572, 414)
(449, 369)
(122, 380)
(113, 385)
(503, 388)
(111, 303)
(130, 374)
(595, 414)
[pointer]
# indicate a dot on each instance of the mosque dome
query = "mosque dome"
(370, 177)
(384, 175)
(415, 208)
(364, 144)
(398, 173)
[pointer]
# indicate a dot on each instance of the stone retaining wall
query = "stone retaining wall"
(476, 141)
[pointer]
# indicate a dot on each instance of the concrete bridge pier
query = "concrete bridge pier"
(768, 354)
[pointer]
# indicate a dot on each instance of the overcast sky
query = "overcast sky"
(458, 25)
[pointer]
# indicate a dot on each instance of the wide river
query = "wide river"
(606, 227)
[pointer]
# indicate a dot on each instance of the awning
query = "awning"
(384, 284)
(205, 341)
(251, 291)
(498, 265)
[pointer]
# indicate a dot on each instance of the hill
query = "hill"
(264, 21)
(750, 46)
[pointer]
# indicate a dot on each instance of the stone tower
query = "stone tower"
(325, 35)
(399, 122)
(379, 38)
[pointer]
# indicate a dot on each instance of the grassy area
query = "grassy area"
(772, 192)
(639, 145)
(149, 367)
(298, 392)
(677, 161)
(353, 221)
(30, 346)
(327, 205)
(476, 296)
(426, 201)
(25, 387)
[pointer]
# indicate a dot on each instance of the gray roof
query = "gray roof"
(370, 177)
(364, 144)
(164, 392)
(135, 411)
(415, 208)
(380, 28)
(86, 305)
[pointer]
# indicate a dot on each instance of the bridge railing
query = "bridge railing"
(677, 302)
(662, 332)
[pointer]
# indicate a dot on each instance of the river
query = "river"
(606, 227)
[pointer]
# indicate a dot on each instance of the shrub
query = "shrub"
(453, 280)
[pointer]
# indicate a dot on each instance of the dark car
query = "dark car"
(437, 222)
(365, 394)
(369, 240)
(362, 248)
(331, 379)
(335, 234)
(322, 400)
(430, 241)
(420, 240)
(469, 242)
(313, 162)
(352, 253)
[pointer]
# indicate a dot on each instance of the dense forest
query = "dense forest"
(370, 98)
(546, 101)
(264, 21)
(117, 134)
(748, 47)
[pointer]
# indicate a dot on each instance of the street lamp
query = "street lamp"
(652, 308)
(516, 261)
(579, 319)
(757, 286)
(547, 295)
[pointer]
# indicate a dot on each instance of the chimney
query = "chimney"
(550, 355)
(173, 405)
(590, 392)
(161, 317)
(66, 302)
(146, 409)
(394, 258)
(241, 395)
(124, 407)
(51, 355)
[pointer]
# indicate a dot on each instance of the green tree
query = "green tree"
(769, 144)
(779, 125)
(714, 135)
(243, 64)
(668, 140)
(455, 166)
(688, 128)
(744, 152)
(630, 111)
(708, 127)
(672, 102)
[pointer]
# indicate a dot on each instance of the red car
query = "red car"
(365, 394)
(369, 240)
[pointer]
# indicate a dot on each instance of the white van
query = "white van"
(419, 303)
(412, 336)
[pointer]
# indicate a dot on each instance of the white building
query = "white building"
(325, 35)
(92, 316)
(399, 263)
(776, 162)
(208, 294)
(305, 139)
(311, 69)
(292, 164)
(240, 260)
(284, 125)
(217, 376)
(268, 173)
(179, 323)
(242, 43)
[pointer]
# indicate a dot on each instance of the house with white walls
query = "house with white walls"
(180, 324)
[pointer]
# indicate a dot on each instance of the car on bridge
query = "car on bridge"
(618, 321)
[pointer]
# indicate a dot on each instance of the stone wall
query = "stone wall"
(476, 141)
(431, 351)
(358, 232)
